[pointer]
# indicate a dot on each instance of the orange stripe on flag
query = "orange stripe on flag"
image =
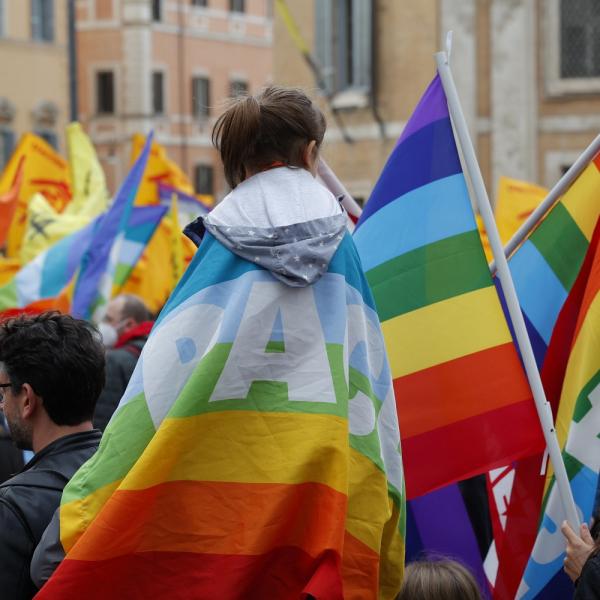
(215, 518)
(486, 391)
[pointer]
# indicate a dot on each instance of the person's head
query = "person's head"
(51, 374)
(278, 126)
(123, 313)
(442, 579)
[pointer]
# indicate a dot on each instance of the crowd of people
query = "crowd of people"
(61, 378)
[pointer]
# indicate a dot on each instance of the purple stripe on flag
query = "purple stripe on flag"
(432, 107)
(445, 529)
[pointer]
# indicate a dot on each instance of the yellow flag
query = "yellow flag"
(152, 278)
(160, 169)
(45, 227)
(44, 172)
(90, 196)
(515, 201)
(176, 242)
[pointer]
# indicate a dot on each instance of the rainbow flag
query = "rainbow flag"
(579, 410)
(544, 269)
(459, 384)
(255, 453)
(51, 271)
(552, 255)
(100, 263)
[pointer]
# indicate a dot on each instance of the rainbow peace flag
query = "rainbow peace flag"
(255, 453)
(579, 413)
(457, 377)
(544, 269)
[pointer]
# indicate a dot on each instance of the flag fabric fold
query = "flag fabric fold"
(90, 195)
(458, 380)
(255, 453)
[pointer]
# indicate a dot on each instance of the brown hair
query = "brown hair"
(274, 126)
(442, 579)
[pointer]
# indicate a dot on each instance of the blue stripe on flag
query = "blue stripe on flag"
(427, 155)
(428, 214)
(540, 292)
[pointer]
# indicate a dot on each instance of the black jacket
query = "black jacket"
(588, 584)
(11, 458)
(27, 503)
(120, 363)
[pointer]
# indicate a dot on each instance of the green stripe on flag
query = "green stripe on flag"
(583, 404)
(561, 243)
(429, 274)
(122, 272)
(8, 295)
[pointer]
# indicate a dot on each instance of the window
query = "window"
(203, 179)
(105, 93)
(158, 101)
(200, 96)
(199, 3)
(237, 87)
(237, 6)
(49, 136)
(343, 43)
(156, 10)
(42, 20)
(2, 18)
(7, 145)
(579, 38)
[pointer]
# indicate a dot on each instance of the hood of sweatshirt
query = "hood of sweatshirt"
(282, 219)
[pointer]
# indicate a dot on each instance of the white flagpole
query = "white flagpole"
(337, 188)
(485, 210)
(561, 186)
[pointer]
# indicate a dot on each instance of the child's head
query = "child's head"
(280, 125)
(442, 579)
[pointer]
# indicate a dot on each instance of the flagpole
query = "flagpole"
(485, 210)
(337, 188)
(562, 185)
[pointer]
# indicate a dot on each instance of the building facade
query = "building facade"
(170, 66)
(34, 63)
(527, 72)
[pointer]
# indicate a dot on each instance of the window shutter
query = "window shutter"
(362, 15)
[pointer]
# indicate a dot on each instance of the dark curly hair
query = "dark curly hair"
(60, 357)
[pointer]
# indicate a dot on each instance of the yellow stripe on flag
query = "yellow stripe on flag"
(582, 200)
(192, 448)
(444, 331)
(584, 362)
(72, 525)
(367, 493)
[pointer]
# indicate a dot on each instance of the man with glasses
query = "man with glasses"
(51, 374)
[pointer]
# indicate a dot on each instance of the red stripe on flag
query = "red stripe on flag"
(281, 574)
(476, 383)
(469, 447)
